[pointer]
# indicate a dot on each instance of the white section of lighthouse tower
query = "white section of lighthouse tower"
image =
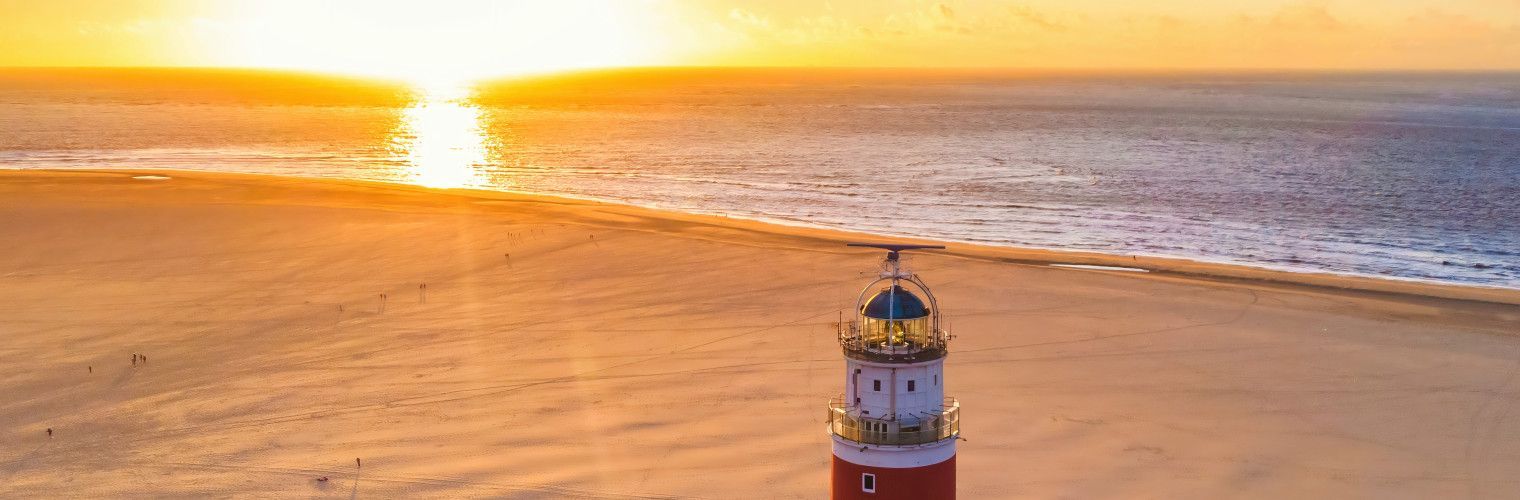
(893, 429)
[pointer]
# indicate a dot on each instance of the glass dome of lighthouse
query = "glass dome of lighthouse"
(895, 319)
(894, 302)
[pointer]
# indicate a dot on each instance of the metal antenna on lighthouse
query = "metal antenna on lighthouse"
(893, 248)
(892, 254)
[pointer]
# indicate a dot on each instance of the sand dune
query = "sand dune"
(573, 349)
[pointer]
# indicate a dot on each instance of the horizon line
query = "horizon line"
(1091, 70)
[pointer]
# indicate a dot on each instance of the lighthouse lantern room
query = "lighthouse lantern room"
(893, 429)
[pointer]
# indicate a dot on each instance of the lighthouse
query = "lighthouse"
(893, 430)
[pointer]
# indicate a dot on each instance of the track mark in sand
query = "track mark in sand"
(1477, 450)
(1205, 372)
(752, 332)
(18, 462)
(1075, 420)
(1239, 315)
(412, 479)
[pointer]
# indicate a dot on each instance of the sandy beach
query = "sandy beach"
(572, 349)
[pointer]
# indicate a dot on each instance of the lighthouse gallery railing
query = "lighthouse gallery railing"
(927, 429)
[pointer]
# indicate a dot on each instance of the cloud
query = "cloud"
(1305, 17)
(1027, 15)
(944, 11)
(748, 18)
(937, 18)
(1439, 23)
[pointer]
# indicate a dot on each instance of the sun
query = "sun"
(439, 43)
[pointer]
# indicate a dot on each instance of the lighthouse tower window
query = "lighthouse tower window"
(868, 482)
(876, 385)
(910, 385)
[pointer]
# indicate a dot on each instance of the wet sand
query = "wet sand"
(573, 349)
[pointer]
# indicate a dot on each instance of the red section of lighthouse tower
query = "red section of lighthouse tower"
(893, 430)
(933, 481)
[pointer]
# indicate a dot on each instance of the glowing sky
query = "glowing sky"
(455, 38)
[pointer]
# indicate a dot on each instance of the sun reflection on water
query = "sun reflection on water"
(440, 141)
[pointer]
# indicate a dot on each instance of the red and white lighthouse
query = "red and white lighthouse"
(893, 429)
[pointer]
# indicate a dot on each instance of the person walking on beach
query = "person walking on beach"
(134, 359)
(358, 464)
(50, 432)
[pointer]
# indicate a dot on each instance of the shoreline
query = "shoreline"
(1160, 267)
(1046, 255)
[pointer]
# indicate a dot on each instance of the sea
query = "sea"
(1411, 176)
